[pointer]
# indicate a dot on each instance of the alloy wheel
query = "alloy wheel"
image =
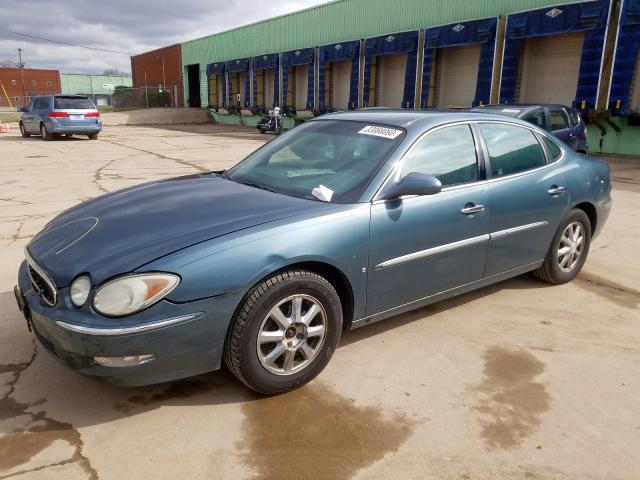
(571, 246)
(291, 334)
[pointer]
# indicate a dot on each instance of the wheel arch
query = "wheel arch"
(590, 210)
(331, 273)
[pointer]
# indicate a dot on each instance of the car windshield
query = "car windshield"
(82, 103)
(328, 160)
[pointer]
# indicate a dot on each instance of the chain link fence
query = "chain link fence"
(121, 98)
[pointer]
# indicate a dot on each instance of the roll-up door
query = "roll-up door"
(214, 91)
(301, 78)
(340, 84)
(550, 68)
(458, 76)
(242, 78)
(269, 77)
(291, 86)
(391, 76)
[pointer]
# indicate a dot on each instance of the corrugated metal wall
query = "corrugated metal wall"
(343, 20)
(76, 83)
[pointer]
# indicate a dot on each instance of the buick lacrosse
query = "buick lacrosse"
(343, 221)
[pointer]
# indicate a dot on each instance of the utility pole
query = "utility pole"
(21, 67)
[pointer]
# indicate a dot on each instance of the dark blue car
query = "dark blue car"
(343, 221)
(564, 122)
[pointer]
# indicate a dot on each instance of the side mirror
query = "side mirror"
(414, 184)
(20, 108)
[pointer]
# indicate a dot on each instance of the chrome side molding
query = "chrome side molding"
(467, 242)
(434, 251)
(145, 327)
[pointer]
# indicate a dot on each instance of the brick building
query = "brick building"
(160, 69)
(27, 82)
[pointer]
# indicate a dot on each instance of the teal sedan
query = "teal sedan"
(346, 220)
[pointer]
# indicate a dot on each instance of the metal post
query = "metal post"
(164, 83)
(21, 67)
(146, 95)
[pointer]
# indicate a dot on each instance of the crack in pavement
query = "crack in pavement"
(161, 156)
(22, 444)
(97, 176)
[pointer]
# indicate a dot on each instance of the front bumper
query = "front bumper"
(190, 342)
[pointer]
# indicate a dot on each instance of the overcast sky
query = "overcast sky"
(122, 25)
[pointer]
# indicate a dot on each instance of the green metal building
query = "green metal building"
(426, 53)
(99, 87)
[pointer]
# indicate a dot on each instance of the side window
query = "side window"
(42, 103)
(575, 117)
(449, 154)
(552, 147)
(558, 120)
(30, 106)
(511, 149)
(537, 117)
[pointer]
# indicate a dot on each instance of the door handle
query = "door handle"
(470, 209)
(555, 190)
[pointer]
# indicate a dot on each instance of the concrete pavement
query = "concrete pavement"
(517, 380)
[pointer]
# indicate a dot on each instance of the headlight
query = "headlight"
(127, 295)
(79, 291)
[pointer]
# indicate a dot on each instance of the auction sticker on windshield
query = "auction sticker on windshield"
(384, 132)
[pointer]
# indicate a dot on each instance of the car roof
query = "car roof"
(522, 106)
(410, 119)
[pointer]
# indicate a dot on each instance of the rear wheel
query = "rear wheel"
(93, 136)
(23, 131)
(569, 249)
(68, 135)
(285, 332)
(46, 136)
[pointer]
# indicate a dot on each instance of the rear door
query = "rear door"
(27, 117)
(423, 245)
(560, 126)
(527, 196)
(41, 108)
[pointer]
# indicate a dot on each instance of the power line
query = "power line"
(64, 43)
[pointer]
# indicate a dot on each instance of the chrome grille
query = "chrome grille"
(41, 282)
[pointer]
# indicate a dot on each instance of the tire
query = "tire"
(46, 136)
(23, 132)
(93, 136)
(247, 359)
(552, 270)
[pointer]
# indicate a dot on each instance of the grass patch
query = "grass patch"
(8, 117)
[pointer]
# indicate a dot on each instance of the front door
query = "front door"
(527, 196)
(424, 245)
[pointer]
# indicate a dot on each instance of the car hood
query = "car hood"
(121, 231)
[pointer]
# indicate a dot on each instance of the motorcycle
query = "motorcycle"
(271, 122)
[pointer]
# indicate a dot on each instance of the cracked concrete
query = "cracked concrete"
(518, 380)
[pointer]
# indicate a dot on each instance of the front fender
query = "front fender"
(232, 264)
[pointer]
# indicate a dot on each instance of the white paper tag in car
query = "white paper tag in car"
(384, 132)
(510, 110)
(322, 193)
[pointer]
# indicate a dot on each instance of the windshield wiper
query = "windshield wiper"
(256, 185)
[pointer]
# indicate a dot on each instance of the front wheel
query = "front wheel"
(285, 332)
(569, 249)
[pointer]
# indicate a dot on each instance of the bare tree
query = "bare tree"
(6, 63)
(113, 71)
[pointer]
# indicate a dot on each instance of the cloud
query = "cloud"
(121, 25)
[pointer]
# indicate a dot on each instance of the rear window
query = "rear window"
(82, 103)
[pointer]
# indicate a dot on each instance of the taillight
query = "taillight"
(58, 114)
(93, 114)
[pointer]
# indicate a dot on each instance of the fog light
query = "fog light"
(118, 362)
